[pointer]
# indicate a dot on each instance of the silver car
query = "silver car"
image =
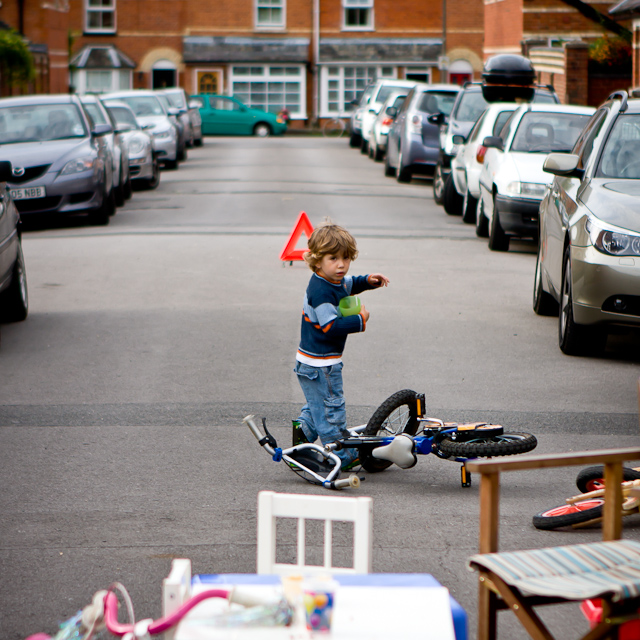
(154, 119)
(178, 99)
(182, 122)
(143, 162)
(61, 163)
(117, 147)
(588, 265)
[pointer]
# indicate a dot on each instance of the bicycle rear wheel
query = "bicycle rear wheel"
(569, 514)
(333, 128)
(507, 444)
(397, 414)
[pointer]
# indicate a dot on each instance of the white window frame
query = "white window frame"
(266, 74)
(328, 75)
(108, 9)
(80, 82)
(364, 5)
(269, 4)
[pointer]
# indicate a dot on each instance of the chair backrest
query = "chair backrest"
(302, 507)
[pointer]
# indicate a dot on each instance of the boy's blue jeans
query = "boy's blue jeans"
(325, 414)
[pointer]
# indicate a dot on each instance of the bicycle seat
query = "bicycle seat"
(399, 451)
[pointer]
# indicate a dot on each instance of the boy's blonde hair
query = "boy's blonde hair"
(329, 239)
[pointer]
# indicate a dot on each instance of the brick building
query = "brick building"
(312, 56)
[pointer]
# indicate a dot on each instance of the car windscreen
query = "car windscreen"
(544, 98)
(96, 113)
(470, 106)
(144, 105)
(544, 132)
(175, 100)
(385, 91)
(123, 116)
(37, 123)
(621, 154)
(437, 102)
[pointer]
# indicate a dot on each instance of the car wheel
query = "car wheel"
(371, 151)
(128, 189)
(378, 155)
(154, 180)
(364, 145)
(14, 301)
(469, 207)
(101, 215)
(452, 199)
(575, 339)
(170, 164)
(403, 174)
(498, 239)
(262, 130)
(438, 185)
(198, 142)
(389, 171)
(482, 224)
(119, 195)
(354, 140)
(544, 304)
(182, 152)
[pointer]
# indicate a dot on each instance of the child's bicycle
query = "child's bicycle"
(586, 509)
(390, 438)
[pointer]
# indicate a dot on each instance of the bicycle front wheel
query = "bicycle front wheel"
(333, 128)
(397, 414)
(506, 444)
(569, 514)
(592, 478)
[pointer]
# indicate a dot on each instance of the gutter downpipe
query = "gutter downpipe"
(316, 59)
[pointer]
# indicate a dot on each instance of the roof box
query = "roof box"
(508, 77)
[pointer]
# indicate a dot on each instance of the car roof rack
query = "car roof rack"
(623, 96)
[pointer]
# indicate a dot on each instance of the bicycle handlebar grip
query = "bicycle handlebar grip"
(352, 481)
(249, 421)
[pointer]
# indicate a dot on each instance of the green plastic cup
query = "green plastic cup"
(349, 306)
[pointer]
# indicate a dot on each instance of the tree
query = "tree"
(16, 61)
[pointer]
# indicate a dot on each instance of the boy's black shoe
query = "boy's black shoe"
(298, 434)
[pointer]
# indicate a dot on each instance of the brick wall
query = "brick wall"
(502, 26)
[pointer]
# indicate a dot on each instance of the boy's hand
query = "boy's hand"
(364, 313)
(377, 280)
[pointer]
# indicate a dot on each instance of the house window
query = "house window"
(339, 86)
(358, 14)
(100, 16)
(100, 80)
(271, 88)
(270, 14)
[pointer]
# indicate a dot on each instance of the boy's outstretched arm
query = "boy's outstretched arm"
(377, 280)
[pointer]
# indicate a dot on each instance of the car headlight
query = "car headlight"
(137, 145)
(78, 165)
(612, 241)
(526, 189)
(162, 134)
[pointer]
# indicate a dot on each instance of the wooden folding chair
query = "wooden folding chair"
(523, 580)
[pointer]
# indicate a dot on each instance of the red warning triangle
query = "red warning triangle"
(303, 225)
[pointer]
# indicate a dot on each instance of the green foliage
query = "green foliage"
(16, 61)
(611, 52)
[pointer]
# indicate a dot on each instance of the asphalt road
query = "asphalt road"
(122, 395)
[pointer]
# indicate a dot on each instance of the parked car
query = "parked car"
(382, 123)
(225, 115)
(14, 300)
(467, 164)
(154, 119)
(355, 137)
(468, 107)
(144, 167)
(117, 148)
(512, 182)
(589, 252)
(60, 162)
(178, 99)
(182, 122)
(381, 91)
(413, 145)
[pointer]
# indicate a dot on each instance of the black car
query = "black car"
(14, 301)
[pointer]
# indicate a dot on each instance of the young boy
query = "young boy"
(324, 334)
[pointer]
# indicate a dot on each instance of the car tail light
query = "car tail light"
(387, 121)
(416, 124)
(480, 154)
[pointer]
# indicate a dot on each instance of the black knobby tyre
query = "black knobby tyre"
(452, 199)
(397, 414)
(507, 444)
(544, 304)
(14, 301)
(592, 478)
(567, 515)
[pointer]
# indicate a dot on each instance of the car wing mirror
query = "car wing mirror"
(392, 112)
(194, 104)
(563, 164)
(493, 142)
(458, 139)
(101, 130)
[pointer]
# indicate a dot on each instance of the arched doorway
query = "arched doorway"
(164, 74)
(460, 71)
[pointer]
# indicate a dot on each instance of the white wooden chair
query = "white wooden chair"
(330, 509)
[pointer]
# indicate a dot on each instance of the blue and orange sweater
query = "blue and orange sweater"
(324, 331)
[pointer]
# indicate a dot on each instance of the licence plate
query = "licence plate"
(27, 192)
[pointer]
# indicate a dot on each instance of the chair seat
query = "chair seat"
(608, 570)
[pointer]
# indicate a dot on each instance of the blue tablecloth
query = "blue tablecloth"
(352, 580)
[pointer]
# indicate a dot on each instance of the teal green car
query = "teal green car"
(224, 115)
